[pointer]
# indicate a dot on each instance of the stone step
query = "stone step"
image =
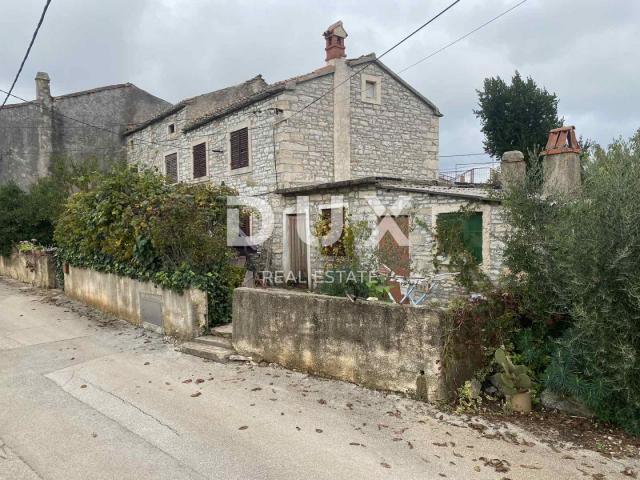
(215, 341)
(222, 331)
(210, 352)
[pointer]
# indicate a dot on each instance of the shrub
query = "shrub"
(135, 224)
(575, 264)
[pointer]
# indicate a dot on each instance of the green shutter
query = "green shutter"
(470, 227)
(472, 235)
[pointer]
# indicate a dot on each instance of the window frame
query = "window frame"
(375, 79)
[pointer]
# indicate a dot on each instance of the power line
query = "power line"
(432, 19)
(26, 55)
(432, 54)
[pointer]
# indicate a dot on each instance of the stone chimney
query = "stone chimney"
(561, 163)
(513, 169)
(43, 91)
(334, 37)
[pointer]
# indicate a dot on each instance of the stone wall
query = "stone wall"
(382, 346)
(37, 269)
(181, 315)
(422, 209)
(35, 133)
(398, 137)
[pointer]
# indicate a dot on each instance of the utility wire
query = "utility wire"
(432, 19)
(26, 55)
(432, 54)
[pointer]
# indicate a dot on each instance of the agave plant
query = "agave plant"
(513, 379)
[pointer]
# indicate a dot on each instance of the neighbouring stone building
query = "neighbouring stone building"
(353, 130)
(76, 126)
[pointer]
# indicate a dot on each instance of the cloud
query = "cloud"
(584, 51)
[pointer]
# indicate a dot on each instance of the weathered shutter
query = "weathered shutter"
(200, 160)
(472, 232)
(171, 167)
(240, 148)
(245, 224)
(470, 227)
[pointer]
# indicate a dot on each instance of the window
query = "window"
(171, 129)
(460, 229)
(240, 148)
(200, 160)
(326, 226)
(171, 167)
(371, 89)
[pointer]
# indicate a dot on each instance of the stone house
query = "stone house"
(353, 130)
(77, 126)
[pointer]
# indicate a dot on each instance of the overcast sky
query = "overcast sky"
(586, 51)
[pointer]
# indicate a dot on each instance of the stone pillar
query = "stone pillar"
(561, 164)
(45, 124)
(513, 169)
(341, 120)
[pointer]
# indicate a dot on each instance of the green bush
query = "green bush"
(136, 225)
(29, 215)
(575, 264)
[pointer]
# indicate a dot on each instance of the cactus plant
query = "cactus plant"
(513, 379)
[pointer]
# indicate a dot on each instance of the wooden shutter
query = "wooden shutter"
(240, 148)
(245, 224)
(200, 160)
(337, 249)
(171, 167)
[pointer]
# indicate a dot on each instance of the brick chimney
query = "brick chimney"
(43, 91)
(334, 37)
(561, 163)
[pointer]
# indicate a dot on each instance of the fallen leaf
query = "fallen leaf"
(83, 386)
(188, 380)
(318, 430)
(197, 394)
(146, 363)
(199, 380)
(322, 402)
(244, 427)
(385, 465)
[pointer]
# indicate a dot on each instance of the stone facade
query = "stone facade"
(34, 133)
(325, 133)
(396, 137)
(422, 204)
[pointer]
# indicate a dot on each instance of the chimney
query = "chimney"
(43, 92)
(334, 37)
(513, 169)
(561, 163)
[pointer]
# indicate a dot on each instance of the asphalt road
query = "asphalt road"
(83, 396)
